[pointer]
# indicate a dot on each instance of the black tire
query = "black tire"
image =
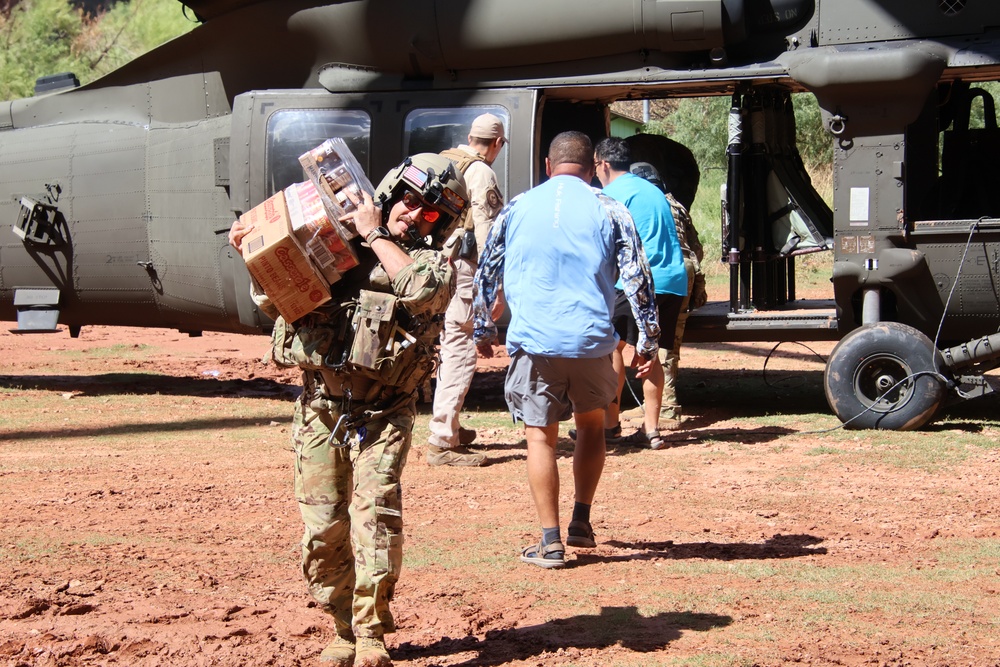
(885, 376)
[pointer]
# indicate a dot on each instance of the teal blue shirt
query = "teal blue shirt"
(657, 229)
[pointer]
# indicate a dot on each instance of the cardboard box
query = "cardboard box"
(335, 171)
(278, 262)
(326, 241)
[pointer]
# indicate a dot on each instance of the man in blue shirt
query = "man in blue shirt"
(557, 250)
(655, 224)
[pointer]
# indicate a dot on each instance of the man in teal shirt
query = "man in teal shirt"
(656, 227)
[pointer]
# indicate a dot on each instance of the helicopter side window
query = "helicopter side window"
(292, 132)
(437, 129)
(969, 172)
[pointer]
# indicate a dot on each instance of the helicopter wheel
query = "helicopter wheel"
(885, 376)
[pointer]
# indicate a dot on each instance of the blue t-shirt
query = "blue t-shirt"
(557, 249)
(657, 229)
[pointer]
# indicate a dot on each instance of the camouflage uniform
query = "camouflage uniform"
(348, 484)
(695, 298)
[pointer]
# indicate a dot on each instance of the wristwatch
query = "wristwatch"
(379, 232)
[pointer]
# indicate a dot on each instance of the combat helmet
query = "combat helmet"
(434, 179)
(650, 173)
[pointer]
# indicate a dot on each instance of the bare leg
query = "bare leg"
(652, 396)
(588, 456)
(613, 414)
(543, 475)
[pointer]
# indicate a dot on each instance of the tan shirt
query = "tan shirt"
(485, 197)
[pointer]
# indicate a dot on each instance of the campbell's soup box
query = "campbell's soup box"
(279, 263)
(327, 242)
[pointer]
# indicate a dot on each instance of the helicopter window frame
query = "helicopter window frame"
(448, 127)
(292, 132)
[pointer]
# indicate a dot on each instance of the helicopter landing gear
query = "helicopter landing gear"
(885, 376)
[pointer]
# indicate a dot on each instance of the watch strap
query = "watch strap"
(379, 232)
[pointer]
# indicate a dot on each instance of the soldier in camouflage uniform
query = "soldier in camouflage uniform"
(363, 355)
(687, 234)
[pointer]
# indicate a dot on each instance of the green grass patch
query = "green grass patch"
(29, 549)
(823, 450)
(979, 555)
(116, 351)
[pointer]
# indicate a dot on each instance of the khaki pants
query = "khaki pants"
(458, 360)
(351, 505)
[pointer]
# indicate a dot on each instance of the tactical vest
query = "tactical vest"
(368, 343)
(362, 340)
(463, 160)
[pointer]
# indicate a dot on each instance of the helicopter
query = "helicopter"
(116, 196)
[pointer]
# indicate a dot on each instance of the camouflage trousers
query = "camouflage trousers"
(670, 359)
(350, 499)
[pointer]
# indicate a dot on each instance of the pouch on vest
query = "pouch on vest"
(312, 347)
(374, 322)
(409, 368)
(468, 248)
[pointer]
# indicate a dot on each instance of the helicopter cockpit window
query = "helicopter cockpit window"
(292, 132)
(435, 130)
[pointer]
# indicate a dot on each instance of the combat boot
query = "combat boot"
(670, 417)
(456, 456)
(371, 653)
(339, 652)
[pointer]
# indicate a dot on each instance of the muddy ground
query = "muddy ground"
(146, 518)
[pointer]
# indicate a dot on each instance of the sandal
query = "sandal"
(641, 438)
(612, 435)
(637, 439)
(548, 555)
(655, 441)
(580, 534)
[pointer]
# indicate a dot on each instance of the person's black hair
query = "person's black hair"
(571, 147)
(615, 152)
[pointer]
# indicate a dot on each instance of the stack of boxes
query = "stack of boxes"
(297, 246)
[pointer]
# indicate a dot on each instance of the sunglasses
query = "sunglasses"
(413, 202)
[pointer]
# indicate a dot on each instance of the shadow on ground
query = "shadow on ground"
(621, 626)
(778, 546)
(113, 384)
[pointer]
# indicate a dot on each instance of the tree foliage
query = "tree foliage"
(701, 125)
(42, 37)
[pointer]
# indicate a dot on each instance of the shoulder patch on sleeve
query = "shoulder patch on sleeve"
(493, 199)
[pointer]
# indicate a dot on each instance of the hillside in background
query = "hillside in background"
(86, 37)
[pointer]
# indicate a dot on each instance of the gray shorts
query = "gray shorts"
(544, 390)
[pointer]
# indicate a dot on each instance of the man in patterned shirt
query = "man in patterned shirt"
(557, 250)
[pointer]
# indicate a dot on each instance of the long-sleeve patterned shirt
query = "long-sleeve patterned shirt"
(558, 250)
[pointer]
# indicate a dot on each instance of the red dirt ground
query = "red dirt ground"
(746, 543)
